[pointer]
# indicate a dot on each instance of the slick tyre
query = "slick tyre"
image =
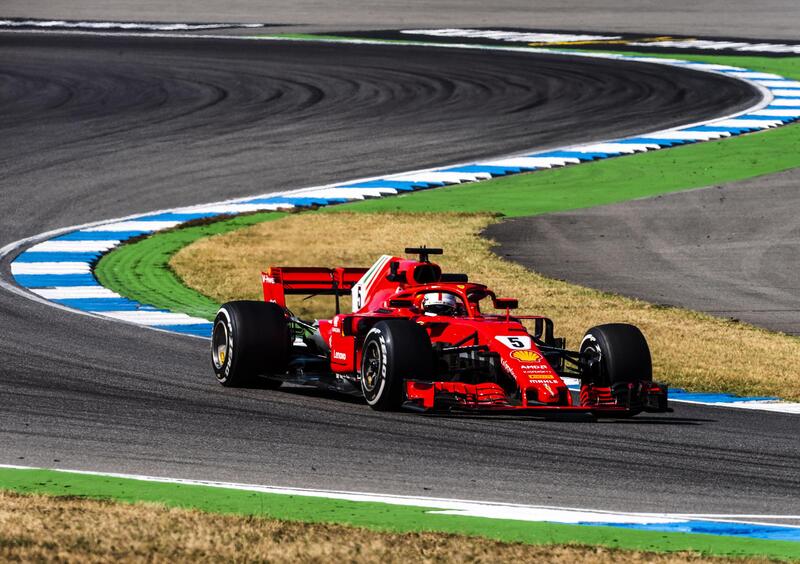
(616, 353)
(394, 350)
(250, 339)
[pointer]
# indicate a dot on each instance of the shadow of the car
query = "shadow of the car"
(655, 420)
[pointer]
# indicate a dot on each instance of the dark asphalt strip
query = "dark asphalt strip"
(108, 127)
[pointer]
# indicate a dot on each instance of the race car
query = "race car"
(421, 339)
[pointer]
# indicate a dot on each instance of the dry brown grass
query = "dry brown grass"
(690, 349)
(48, 529)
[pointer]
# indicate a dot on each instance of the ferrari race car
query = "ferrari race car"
(418, 338)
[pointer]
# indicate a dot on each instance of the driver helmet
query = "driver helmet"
(440, 303)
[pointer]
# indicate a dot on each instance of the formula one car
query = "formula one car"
(418, 338)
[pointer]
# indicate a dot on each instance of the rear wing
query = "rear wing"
(279, 281)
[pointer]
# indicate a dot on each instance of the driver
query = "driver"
(441, 303)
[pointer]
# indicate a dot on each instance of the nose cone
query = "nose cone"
(548, 393)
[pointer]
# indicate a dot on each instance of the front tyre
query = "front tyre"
(393, 351)
(616, 368)
(615, 353)
(250, 339)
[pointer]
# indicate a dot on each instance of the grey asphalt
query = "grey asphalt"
(109, 127)
(766, 19)
(732, 251)
(141, 124)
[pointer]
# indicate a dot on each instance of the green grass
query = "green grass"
(140, 270)
(378, 516)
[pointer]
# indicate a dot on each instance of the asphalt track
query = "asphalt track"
(698, 249)
(776, 19)
(104, 128)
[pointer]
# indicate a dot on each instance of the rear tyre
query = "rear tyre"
(394, 350)
(615, 353)
(250, 339)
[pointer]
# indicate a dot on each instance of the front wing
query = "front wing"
(489, 397)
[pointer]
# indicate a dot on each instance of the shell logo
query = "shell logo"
(526, 356)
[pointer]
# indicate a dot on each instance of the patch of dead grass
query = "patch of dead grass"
(36, 528)
(689, 349)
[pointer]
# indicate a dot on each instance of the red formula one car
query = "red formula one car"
(418, 338)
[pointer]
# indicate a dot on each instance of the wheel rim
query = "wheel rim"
(219, 345)
(371, 374)
(594, 355)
